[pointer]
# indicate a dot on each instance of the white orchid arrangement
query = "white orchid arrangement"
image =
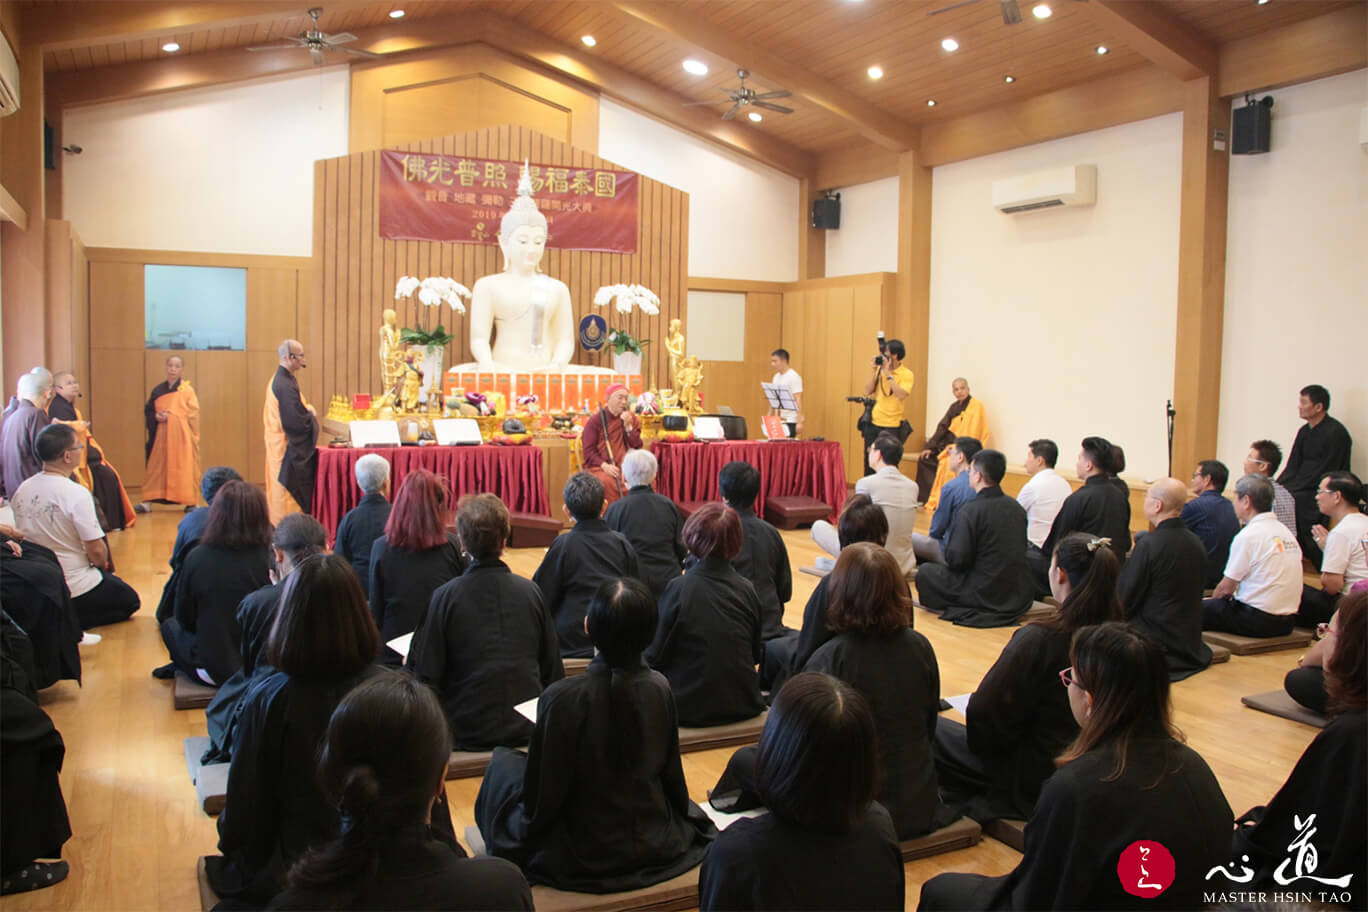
(624, 298)
(432, 292)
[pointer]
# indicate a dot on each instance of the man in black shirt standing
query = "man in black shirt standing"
(1322, 445)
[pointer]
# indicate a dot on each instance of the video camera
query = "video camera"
(883, 349)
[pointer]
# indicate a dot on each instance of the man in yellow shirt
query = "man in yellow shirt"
(890, 385)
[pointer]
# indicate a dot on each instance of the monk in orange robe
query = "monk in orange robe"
(173, 463)
(95, 473)
(291, 426)
(606, 438)
(966, 417)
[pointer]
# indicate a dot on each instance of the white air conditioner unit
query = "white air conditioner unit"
(1072, 186)
(9, 79)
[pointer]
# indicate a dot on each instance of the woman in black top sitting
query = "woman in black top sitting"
(323, 643)
(598, 804)
(1132, 819)
(231, 561)
(488, 643)
(1019, 718)
(382, 765)
(825, 843)
(414, 556)
(707, 643)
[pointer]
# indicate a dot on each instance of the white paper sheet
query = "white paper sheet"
(400, 644)
(722, 820)
(959, 703)
(528, 708)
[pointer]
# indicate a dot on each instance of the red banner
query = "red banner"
(425, 197)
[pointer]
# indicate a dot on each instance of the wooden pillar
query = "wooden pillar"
(911, 315)
(1201, 274)
(811, 241)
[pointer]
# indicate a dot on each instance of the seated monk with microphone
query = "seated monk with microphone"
(607, 437)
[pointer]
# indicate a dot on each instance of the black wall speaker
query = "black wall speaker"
(1252, 127)
(826, 212)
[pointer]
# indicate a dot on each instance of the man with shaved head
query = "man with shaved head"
(291, 427)
(1161, 583)
(19, 434)
(964, 418)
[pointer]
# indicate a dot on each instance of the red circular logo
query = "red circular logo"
(1145, 868)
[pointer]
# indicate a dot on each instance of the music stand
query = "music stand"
(779, 397)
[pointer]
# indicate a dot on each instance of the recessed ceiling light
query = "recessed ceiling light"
(696, 67)
(875, 72)
(1041, 11)
(755, 116)
(170, 47)
(396, 14)
(589, 41)
(930, 102)
(1103, 49)
(950, 44)
(1009, 78)
(1262, 2)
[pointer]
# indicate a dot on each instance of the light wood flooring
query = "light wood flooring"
(138, 829)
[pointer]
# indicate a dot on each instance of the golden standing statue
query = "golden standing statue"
(687, 382)
(413, 384)
(674, 344)
(391, 353)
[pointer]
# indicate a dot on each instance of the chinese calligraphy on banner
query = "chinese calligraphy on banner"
(428, 197)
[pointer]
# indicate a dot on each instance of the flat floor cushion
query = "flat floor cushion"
(813, 571)
(194, 749)
(1009, 832)
(1278, 703)
(676, 893)
(575, 666)
(1038, 612)
(532, 530)
(687, 507)
(1243, 645)
(467, 764)
(961, 834)
(1219, 654)
(211, 785)
(746, 731)
(187, 693)
(792, 510)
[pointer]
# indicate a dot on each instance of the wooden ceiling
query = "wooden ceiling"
(819, 48)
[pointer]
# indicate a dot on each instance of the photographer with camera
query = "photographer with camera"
(889, 385)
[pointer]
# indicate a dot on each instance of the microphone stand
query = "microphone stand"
(1168, 414)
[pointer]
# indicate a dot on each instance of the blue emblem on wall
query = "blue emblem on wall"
(593, 333)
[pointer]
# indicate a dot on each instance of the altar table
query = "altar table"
(815, 468)
(512, 472)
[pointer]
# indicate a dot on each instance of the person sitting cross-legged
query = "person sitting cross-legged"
(1340, 497)
(365, 522)
(650, 521)
(1211, 517)
(1261, 588)
(763, 558)
(894, 492)
(955, 493)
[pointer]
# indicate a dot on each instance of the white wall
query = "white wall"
(743, 216)
(1062, 320)
(867, 240)
(227, 169)
(1296, 308)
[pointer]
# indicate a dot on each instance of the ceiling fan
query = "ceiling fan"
(317, 42)
(741, 97)
(1011, 13)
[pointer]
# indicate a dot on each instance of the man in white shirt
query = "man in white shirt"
(1340, 497)
(788, 378)
(1045, 492)
(1261, 589)
(56, 512)
(891, 491)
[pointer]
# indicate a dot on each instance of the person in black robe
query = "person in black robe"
(877, 652)
(825, 843)
(650, 521)
(1322, 445)
(188, 533)
(707, 641)
(487, 642)
(581, 561)
(1018, 719)
(231, 561)
(414, 557)
(1161, 585)
(984, 581)
(1324, 802)
(37, 598)
(1125, 779)
(19, 432)
(299, 468)
(763, 558)
(1099, 508)
(384, 757)
(365, 522)
(861, 520)
(323, 643)
(599, 804)
(928, 462)
(34, 822)
(298, 536)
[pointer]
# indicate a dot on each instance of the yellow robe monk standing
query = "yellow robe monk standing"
(291, 430)
(969, 419)
(172, 415)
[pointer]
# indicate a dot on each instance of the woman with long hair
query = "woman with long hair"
(383, 764)
(415, 556)
(707, 642)
(1131, 812)
(231, 561)
(1018, 719)
(826, 843)
(322, 643)
(598, 804)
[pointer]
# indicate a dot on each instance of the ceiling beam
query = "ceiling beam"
(1327, 45)
(869, 120)
(1156, 34)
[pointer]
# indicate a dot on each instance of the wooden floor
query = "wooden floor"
(138, 829)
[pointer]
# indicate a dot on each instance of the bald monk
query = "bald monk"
(172, 416)
(606, 439)
(964, 418)
(291, 437)
(95, 474)
(1161, 583)
(24, 421)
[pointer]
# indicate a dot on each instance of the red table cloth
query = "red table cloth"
(512, 472)
(815, 468)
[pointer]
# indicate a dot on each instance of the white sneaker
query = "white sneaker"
(90, 639)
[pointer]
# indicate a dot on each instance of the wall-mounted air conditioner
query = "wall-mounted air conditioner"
(1072, 186)
(9, 79)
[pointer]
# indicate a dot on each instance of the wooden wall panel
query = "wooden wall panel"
(413, 113)
(116, 305)
(737, 383)
(355, 271)
(271, 298)
(116, 409)
(260, 369)
(225, 397)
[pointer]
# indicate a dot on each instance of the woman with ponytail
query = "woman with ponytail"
(1133, 818)
(598, 804)
(1019, 718)
(382, 765)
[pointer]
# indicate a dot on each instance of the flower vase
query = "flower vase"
(430, 363)
(626, 363)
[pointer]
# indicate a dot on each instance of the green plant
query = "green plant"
(623, 341)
